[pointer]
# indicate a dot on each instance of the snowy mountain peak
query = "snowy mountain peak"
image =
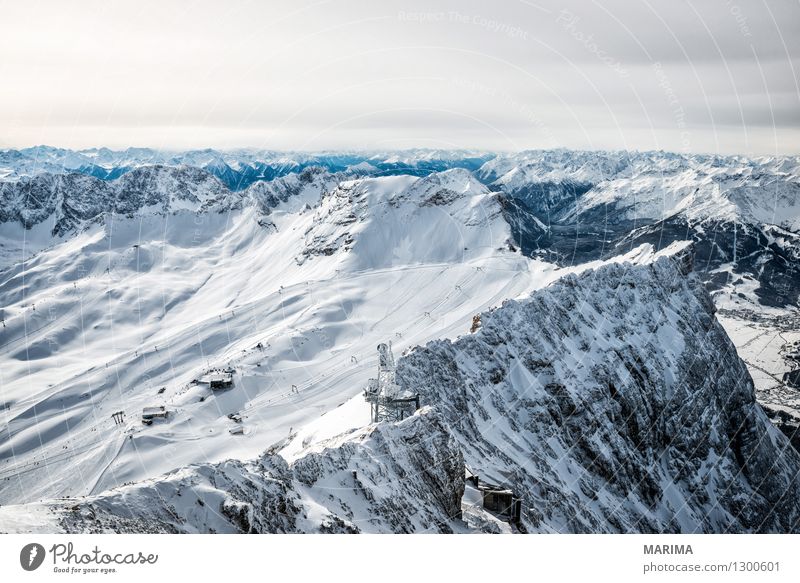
(170, 188)
(592, 400)
(575, 396)
(400, 220)
(653, 185)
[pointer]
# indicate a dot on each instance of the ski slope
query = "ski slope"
(101, 322)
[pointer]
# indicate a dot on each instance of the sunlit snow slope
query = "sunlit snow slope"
(101, 322)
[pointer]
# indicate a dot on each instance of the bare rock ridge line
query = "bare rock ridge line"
(625, 395)
(610, 401)
(614, 401)
(72, 201)
(407, 477)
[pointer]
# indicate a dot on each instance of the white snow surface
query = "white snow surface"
(99, 322)
(293, 293)
(658, 185)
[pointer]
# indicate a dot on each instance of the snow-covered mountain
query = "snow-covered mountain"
(592, 399)
(237, 169)
(613, 401)
(69, 201)
(741, 214)
(121, 292)
(366, 481)
(130, 305)
(444, 217)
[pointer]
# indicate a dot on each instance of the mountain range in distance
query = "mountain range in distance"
(582, 314)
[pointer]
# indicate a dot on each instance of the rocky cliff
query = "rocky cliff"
(407, 477)
(613, 401)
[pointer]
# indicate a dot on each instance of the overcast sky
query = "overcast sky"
(706, 76)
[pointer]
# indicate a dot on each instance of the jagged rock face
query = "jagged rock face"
(650, 186)
(400, 220)
(728, 252)
(67, 198)
(614, 401)
(72, 200)
(527, 231)
(232, 496)
(167, 188)
(329, 233)
(550, 200)
(743, 214)
(407, 477)
(557, 166)
(312, 182)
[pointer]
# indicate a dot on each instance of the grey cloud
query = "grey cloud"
(352, 73)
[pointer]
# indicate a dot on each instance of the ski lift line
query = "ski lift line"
(32, 465)
(336, 373)
(314, 380)
(308, 383)
(35, 401)
(75, 435)
(253, 303)
(108, 465)
(443, 301)
(51, 322)
(331, 374)
(96, 401)
(27, 335)
(49, 297)
(467, 279)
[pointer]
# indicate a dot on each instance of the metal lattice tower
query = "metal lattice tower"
(388, 402)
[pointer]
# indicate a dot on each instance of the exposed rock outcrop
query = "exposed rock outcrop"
(407, 477)
(614, 402)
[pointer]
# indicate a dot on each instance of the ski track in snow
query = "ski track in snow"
(139, 329)
(100, 322)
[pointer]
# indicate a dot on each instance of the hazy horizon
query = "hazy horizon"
(364, 151)
(353, 75)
